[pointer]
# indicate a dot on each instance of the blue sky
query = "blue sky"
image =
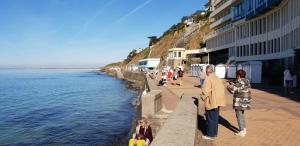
(82, 33)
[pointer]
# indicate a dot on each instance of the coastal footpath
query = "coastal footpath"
(273, 120)
(177, 116)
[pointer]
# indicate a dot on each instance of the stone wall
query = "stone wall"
(180, 128)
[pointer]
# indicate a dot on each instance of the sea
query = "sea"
(76, 107)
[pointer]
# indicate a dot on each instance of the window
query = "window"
(175, 54)
(269, 47)
(247, 52)
(272, 46)
(179, 54)
(259, 26)
(264, 48)
(247, 30)
(240, 32)
(255, 49)
(249, 5)
(251, 50)
(264, 25)
(271, 22)
(255, 28)
(276, 20)
(252, 28)
(260, 2)
(259, 48)
(241, 51)
(278, 44)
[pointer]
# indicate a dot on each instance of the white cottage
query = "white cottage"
(149, 63)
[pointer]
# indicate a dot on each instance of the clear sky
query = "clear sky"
(82, 33)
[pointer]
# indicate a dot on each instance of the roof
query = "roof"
(177, 49)
(150, 59)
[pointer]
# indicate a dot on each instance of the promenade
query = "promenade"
(273, 120)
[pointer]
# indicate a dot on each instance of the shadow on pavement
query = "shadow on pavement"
(227, 124)
(278, 91)
(201, 124)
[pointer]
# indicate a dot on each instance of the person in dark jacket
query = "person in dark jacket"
(241, 99)
(143, 135)
(180, 76)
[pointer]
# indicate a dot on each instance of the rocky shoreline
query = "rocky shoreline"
(136, 82)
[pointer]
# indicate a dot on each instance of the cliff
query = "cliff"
(179, 35)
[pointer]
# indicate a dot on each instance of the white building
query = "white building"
(189, 21)
(176, 57)
(149, 63)
(256, 30)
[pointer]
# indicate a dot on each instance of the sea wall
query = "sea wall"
(176, 129)
(137, 79)
(180, 128)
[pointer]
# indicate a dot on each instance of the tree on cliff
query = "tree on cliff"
(131, 55)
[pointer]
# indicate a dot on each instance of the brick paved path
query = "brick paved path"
(274, 120)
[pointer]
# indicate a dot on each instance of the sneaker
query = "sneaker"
(241, 134)
(208, 137)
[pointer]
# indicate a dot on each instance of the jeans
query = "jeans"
(212, 120)
(240, 119)
(288, 86)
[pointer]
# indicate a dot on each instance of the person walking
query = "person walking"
(170, 74)
(288, 81)
(201, 76)
(174, 77)
(180, 76)
(241, 99)
(213, 95)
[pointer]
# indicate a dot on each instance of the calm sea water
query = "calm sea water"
(63, 107)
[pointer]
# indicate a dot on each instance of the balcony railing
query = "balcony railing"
(261, 8)
(220, 8)
(220, 21)
(218, 31)
(250, 14)
(272, 3)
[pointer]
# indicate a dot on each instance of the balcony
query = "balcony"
(272, 3)
(237, 18)
(220, 21)
(250, 14)
(261, 8)
(218, 31)
(238, 12)
(225, 5)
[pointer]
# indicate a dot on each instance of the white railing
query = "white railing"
(218, 31)
(220, 21)
(222, 7)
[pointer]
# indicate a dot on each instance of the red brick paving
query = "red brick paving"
(272, 121)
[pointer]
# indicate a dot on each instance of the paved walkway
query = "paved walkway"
(273, 120)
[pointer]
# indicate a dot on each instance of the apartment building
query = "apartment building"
(257, 30)
(223, 36)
